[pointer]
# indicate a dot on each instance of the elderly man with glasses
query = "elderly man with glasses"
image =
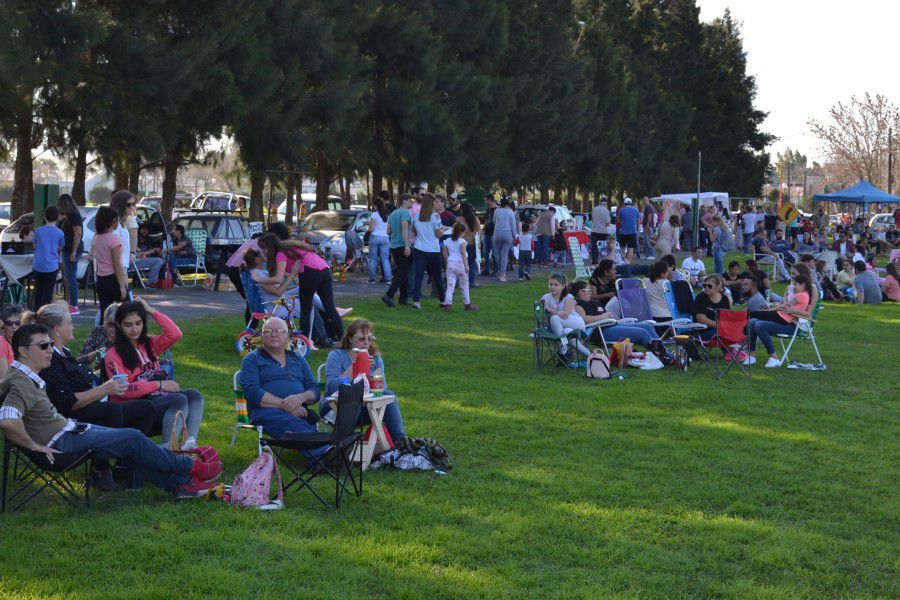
(279, 385)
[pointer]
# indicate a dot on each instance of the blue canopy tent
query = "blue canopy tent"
(862, 193)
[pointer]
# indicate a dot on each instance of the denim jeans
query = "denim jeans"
(153, 264)
(161, 467)
(764, 330)
(189, 401)
(276, 423)
(645, 240)
(379, 248)
(542, 248)
(175, 261)
(392, 418)
(70, 272)
(718, 260)
(431, 262)
(524, 263)
(490, 264)
(502, 246)
(473, 264)
(638, 333)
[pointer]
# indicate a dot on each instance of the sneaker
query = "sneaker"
(74, 310)
(521, 279)
(189, 444)
(386, 281)
(471, 307)
(773, 362)
(417, 305)
(446, 307)
(206, 471)
(750, 360)
(528, 276)
(343, 312)
(371, 281)
(194, 489)
(387, 300)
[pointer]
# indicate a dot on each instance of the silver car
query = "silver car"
(328, 231)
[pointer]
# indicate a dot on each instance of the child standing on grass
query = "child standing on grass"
(526, 249)
(457, 267)
(559, 246)
(48, 242)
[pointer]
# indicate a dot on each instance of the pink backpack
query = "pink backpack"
(253, 487)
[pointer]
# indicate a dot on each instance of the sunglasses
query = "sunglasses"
(708, 286)
(12, 323)
(42, 345)
(370, 338)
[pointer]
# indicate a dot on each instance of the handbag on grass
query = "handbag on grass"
(206, 454)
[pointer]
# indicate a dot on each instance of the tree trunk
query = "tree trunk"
(557, 194)
(570, 197)
(376, 178)
(257, 184)
(390, 188)
(80, 175)
(545, 194)
(23, 184)
(169, 185)
(323, 182)
(120, 173)
(134, 173)
(345, 196)
(289, 200)
(451, 186)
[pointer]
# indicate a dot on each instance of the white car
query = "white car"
(881, 222)
(327, 230)
(531, 212)
(309, 205)
(5, 210)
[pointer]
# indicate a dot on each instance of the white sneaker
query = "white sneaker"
(773, 362)
(189, 444)
(750, 360)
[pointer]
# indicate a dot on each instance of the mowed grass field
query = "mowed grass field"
(662, 485)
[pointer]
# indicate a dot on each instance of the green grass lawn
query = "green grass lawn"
(661, 485)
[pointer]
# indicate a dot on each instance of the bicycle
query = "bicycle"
(250, 338)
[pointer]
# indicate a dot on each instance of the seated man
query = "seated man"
(693, 264)
(868, 291)
(751, 296)
(621, 261)
(148, 255)
(279, 386)
(29, 420)
(764, 254)
(783, 247)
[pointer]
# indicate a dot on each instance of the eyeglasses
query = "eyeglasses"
(129, 204)
(370, 338)
(42, 345)
(273, 331)
(12, 323)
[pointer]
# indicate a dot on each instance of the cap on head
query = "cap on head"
(627, 200)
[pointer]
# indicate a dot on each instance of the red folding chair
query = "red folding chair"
(731, 338)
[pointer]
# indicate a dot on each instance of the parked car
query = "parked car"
(226, 231)
(308, 202)
(327, 230)
(5, 211)
(11, 242)
(531, 212)
(181, 201)
(881, 222)
(208, 201)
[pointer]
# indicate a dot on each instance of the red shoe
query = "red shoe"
(206, 471)
(471, 307)
(194, 489)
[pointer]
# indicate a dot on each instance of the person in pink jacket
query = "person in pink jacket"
(136, 354)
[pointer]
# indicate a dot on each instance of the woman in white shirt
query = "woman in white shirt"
(123, 203)
(667, 240)
(656, 294)
(379, 242)
(427, 248)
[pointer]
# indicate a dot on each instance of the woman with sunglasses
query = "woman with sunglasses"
(73, 391)
(135, 353)
(10, 321)
(124, 203)
(779, 319)
(360, 337)
(708, 303)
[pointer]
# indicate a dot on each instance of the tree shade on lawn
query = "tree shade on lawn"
(661, 485)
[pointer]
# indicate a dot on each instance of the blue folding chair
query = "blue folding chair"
(633, 302)
(681, 322)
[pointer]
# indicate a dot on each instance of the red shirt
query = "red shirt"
(6, 350)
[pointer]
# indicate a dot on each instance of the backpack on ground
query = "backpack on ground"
(597, 366)
(253, 487)
(726, 242)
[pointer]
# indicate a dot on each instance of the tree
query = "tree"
(855, 136)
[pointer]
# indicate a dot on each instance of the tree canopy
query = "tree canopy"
(600, 95)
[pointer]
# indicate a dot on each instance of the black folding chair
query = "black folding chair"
(32, 472)
(341, 443)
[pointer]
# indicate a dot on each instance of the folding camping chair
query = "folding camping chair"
(242, 416)
(32, 472)
(198, 239)
(546, 343)
(682, 322)
(342, 444)
(633, 302)
(803, 332)
(730, 328)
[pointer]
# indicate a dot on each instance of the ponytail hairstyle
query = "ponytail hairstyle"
(561, 279)
(50, 315)
(459, 228)
(380, 208)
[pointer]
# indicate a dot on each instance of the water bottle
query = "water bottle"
(377, 383)
(361, 364)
